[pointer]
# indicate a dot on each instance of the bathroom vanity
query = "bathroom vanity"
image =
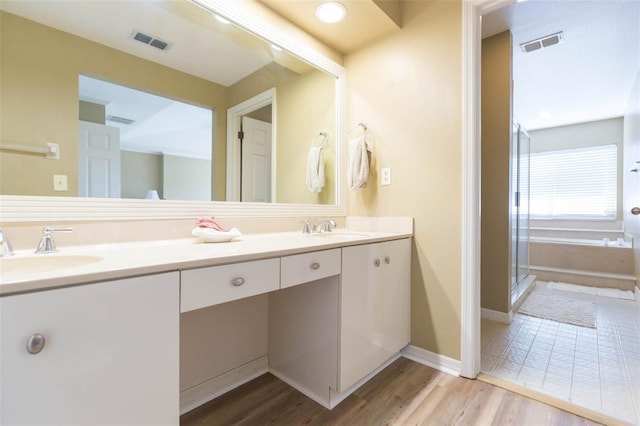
(110, 342)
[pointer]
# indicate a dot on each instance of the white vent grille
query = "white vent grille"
(150, 40)
(120, 120)
(539, 43)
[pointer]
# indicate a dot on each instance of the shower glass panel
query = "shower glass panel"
(520, 206)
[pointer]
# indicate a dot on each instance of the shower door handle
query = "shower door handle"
(635, 211)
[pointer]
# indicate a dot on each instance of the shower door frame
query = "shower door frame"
(519, 208)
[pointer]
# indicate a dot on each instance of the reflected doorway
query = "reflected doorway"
(251, 139)
(165, 145)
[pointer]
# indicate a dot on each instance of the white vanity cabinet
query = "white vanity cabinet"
(375, 298)
(110, 354)
(329, 331)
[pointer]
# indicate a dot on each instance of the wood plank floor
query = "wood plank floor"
(405, 393)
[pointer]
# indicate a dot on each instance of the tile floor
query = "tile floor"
(597, 368)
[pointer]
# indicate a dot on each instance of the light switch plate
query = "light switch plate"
(60, 183)
(385, 178)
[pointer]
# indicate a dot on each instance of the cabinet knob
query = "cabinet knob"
(315, 265)
(237, 281)
(376, 262)
(387, 260)
(35, 343)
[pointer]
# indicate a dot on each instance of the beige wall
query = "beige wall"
(93, 113)
(407, 88)
(496, 168)
(140, 172)
(631, 195)
(593, 133)
(39, 69)
(299, 123)
(183, 177)
(305, 106)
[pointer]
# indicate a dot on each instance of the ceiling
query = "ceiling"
(366, 21)
(199, 44)
(588, 76)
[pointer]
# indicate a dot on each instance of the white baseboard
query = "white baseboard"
(205, 392)
(497, 316)
(333, 397)
(320, 399)
(431, 359)
(337, 397)
(213, 388)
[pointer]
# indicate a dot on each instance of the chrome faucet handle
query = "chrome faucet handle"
(325, 226)
(5, 246)
(329, 225)
(305, 226)
(47, 245)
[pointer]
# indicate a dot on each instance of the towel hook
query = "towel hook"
(325, 139)
(365, 128)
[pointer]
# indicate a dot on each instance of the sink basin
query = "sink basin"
(43, 263)
(340, 234)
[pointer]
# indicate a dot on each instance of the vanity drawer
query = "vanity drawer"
(302, 268)
(219, 284)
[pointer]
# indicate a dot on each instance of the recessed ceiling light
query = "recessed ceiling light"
(331, 12)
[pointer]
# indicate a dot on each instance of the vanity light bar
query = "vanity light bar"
(149, 40)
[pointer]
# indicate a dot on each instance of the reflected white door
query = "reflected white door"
(256, 160)
(98, 160)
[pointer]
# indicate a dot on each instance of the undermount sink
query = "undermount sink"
(44, 263)
(340, 234)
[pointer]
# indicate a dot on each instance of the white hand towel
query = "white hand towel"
(315, 170)
(358, 173)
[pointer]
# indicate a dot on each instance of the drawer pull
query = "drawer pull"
(315, 265)
(387, 260)
(237, 281)
(376, 262)
(35, 343)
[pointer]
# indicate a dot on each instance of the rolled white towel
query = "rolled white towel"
(315, 170)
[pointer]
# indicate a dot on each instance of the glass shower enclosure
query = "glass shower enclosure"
(519, 206)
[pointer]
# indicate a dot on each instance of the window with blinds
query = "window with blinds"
(579, 182)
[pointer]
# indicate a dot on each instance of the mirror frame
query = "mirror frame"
(22, 208)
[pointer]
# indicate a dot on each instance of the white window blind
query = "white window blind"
(574, 182)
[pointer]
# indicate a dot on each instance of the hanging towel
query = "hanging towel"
(358, 173)
(315, 170)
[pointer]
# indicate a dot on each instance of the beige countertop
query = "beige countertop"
(27, 272)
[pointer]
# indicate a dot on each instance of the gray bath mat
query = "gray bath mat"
(560, 308)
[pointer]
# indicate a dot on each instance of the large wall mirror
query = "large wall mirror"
(162, 100)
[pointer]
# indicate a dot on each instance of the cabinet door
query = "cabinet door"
(395, 296)
(375, 307)
(110, 355)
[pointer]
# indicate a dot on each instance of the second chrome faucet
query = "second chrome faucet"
(47, 245)
(318, 227)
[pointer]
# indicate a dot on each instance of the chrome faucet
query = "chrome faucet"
(305, 226)
(5, 246)
(47, 245)
(325, 226)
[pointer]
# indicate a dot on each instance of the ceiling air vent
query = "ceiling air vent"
(541, 42)
(120, 120)
(149, 40)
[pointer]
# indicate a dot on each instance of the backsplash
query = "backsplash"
(25, 236)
